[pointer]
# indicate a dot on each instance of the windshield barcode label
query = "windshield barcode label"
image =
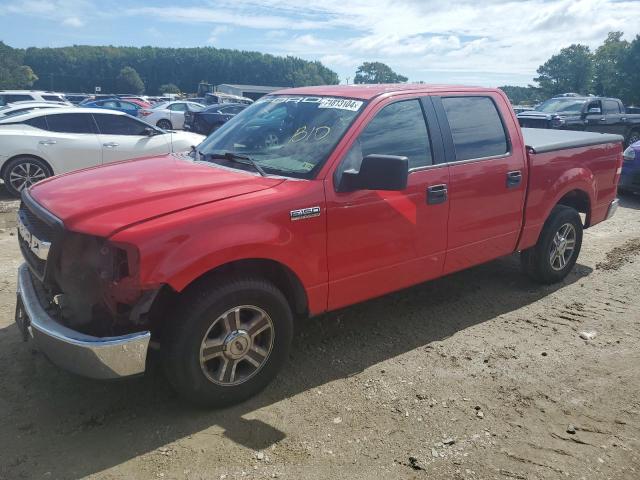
(341, 103)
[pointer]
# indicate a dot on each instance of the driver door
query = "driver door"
(123, 137)
(381, 241)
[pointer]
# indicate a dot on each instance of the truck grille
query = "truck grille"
(35, 237)
(533, 123)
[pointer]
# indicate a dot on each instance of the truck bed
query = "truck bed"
(540, 140)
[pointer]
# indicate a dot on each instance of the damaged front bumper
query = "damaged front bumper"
(94, 357)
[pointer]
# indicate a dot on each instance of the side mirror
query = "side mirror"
(595, 110)
(377, 172)
(150, 132)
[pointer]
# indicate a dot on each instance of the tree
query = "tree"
(522, 95)
(13, 74)
(610, 78)
(377, 72)
(128, 81)
(168, 88)
(569, 71)
(80, 68)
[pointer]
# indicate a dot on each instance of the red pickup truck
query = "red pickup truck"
(310, 200)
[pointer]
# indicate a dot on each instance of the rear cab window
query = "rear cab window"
(476, 127)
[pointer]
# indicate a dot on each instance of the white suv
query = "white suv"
(11, 96)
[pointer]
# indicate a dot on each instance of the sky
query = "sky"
(478, 42)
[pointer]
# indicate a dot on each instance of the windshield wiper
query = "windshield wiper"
(234, 157)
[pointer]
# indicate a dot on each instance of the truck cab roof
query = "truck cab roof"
(369, 91)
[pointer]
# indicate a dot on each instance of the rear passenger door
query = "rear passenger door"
(380, 241)
(487, 183)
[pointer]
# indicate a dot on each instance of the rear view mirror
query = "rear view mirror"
(377, 172)
(597, 110)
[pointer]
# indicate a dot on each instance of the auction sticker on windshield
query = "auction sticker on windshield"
(341, 103)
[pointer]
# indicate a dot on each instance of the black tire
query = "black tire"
(164, 124)
(197, 312)
(19, 166)
(537, 260)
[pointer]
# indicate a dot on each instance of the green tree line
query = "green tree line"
(612, 70)
(80, 68)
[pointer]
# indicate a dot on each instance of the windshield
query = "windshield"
(561, 105)
(160, 106)
(196, 107)
(287, 135)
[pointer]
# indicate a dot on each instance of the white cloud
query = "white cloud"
(73, 22)
(214, 36)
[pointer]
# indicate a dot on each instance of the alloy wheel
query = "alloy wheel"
(562, 246)
(236, 345)
(25, 174)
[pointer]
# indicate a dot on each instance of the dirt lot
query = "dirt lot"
(479, 375)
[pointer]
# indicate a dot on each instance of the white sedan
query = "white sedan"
(42, 143)
(169, 115)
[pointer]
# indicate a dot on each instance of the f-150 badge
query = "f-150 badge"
(304, 213)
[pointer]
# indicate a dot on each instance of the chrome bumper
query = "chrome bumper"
(94, 357)
(613, 206)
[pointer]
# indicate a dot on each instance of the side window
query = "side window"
(15, 97)
(71, 123)
(128, 105)
(110, 104)
(178, 107)
(37, 122)
(476, 127)
(397, 129)
(611, 107)
(595, 104)
(119, 125)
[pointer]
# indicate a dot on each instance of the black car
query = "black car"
(210, 119)
(592, 114)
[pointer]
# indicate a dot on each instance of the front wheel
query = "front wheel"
(558, 247)
(227, 341)
(22, 172)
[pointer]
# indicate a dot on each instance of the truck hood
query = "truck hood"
(103, 200)
(546, 116)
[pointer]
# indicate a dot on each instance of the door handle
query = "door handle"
(514, 179)
(110, 144)
(47, 142)
(437, 194)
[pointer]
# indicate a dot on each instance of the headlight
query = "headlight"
(629, 154)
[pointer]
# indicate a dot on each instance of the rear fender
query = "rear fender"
(540, 203)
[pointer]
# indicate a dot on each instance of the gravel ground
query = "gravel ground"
(479, 375)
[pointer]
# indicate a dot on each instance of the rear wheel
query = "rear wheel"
(164, 124)
(22, 172)
(558, 247)
(227, 341)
